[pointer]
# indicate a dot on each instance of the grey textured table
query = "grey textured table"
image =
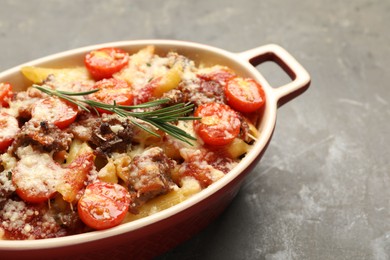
(322, 190)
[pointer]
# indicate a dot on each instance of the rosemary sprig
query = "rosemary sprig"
(159, 118)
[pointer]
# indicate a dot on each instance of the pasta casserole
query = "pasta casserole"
(121, 137)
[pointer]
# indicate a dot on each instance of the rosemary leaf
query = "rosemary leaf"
(144, 128)
(146, 105)
(160, 118)
(68, 93)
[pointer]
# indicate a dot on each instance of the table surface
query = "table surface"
(322, 189)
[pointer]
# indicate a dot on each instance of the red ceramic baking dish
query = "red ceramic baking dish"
(153, 235)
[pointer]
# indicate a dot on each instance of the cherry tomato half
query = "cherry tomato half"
(103, 205)
(9, 127)
(5, 93)
(221, 75)
(219, 124)
(112, 90)
(102, 63)
(35, 177)
(55, 111)
(244, 94)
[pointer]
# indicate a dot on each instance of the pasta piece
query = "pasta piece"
(38, 74)
(108, 173)
(253, 131)
(237, 148)
(122, 166)
(171, 149)
(8, 162)
(76, 175)
(138, 63)
(169, 80)
(190, 187)
(76, 147)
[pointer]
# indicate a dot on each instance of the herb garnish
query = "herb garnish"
(159, 118)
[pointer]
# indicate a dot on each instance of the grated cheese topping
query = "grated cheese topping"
(38, 171)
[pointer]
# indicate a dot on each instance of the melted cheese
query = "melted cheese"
(9, 126)
(38, 170)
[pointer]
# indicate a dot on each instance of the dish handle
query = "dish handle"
(274, 53)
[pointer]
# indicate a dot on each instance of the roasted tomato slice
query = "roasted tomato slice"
(36, 176)
(9, 127)
(102, 63)
(75, 176)
(112, 90)
(5, 94)
(55, 111)
(244, 94)
(103, 205)
(219, 124)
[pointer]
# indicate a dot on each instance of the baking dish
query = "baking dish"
(155, 234)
